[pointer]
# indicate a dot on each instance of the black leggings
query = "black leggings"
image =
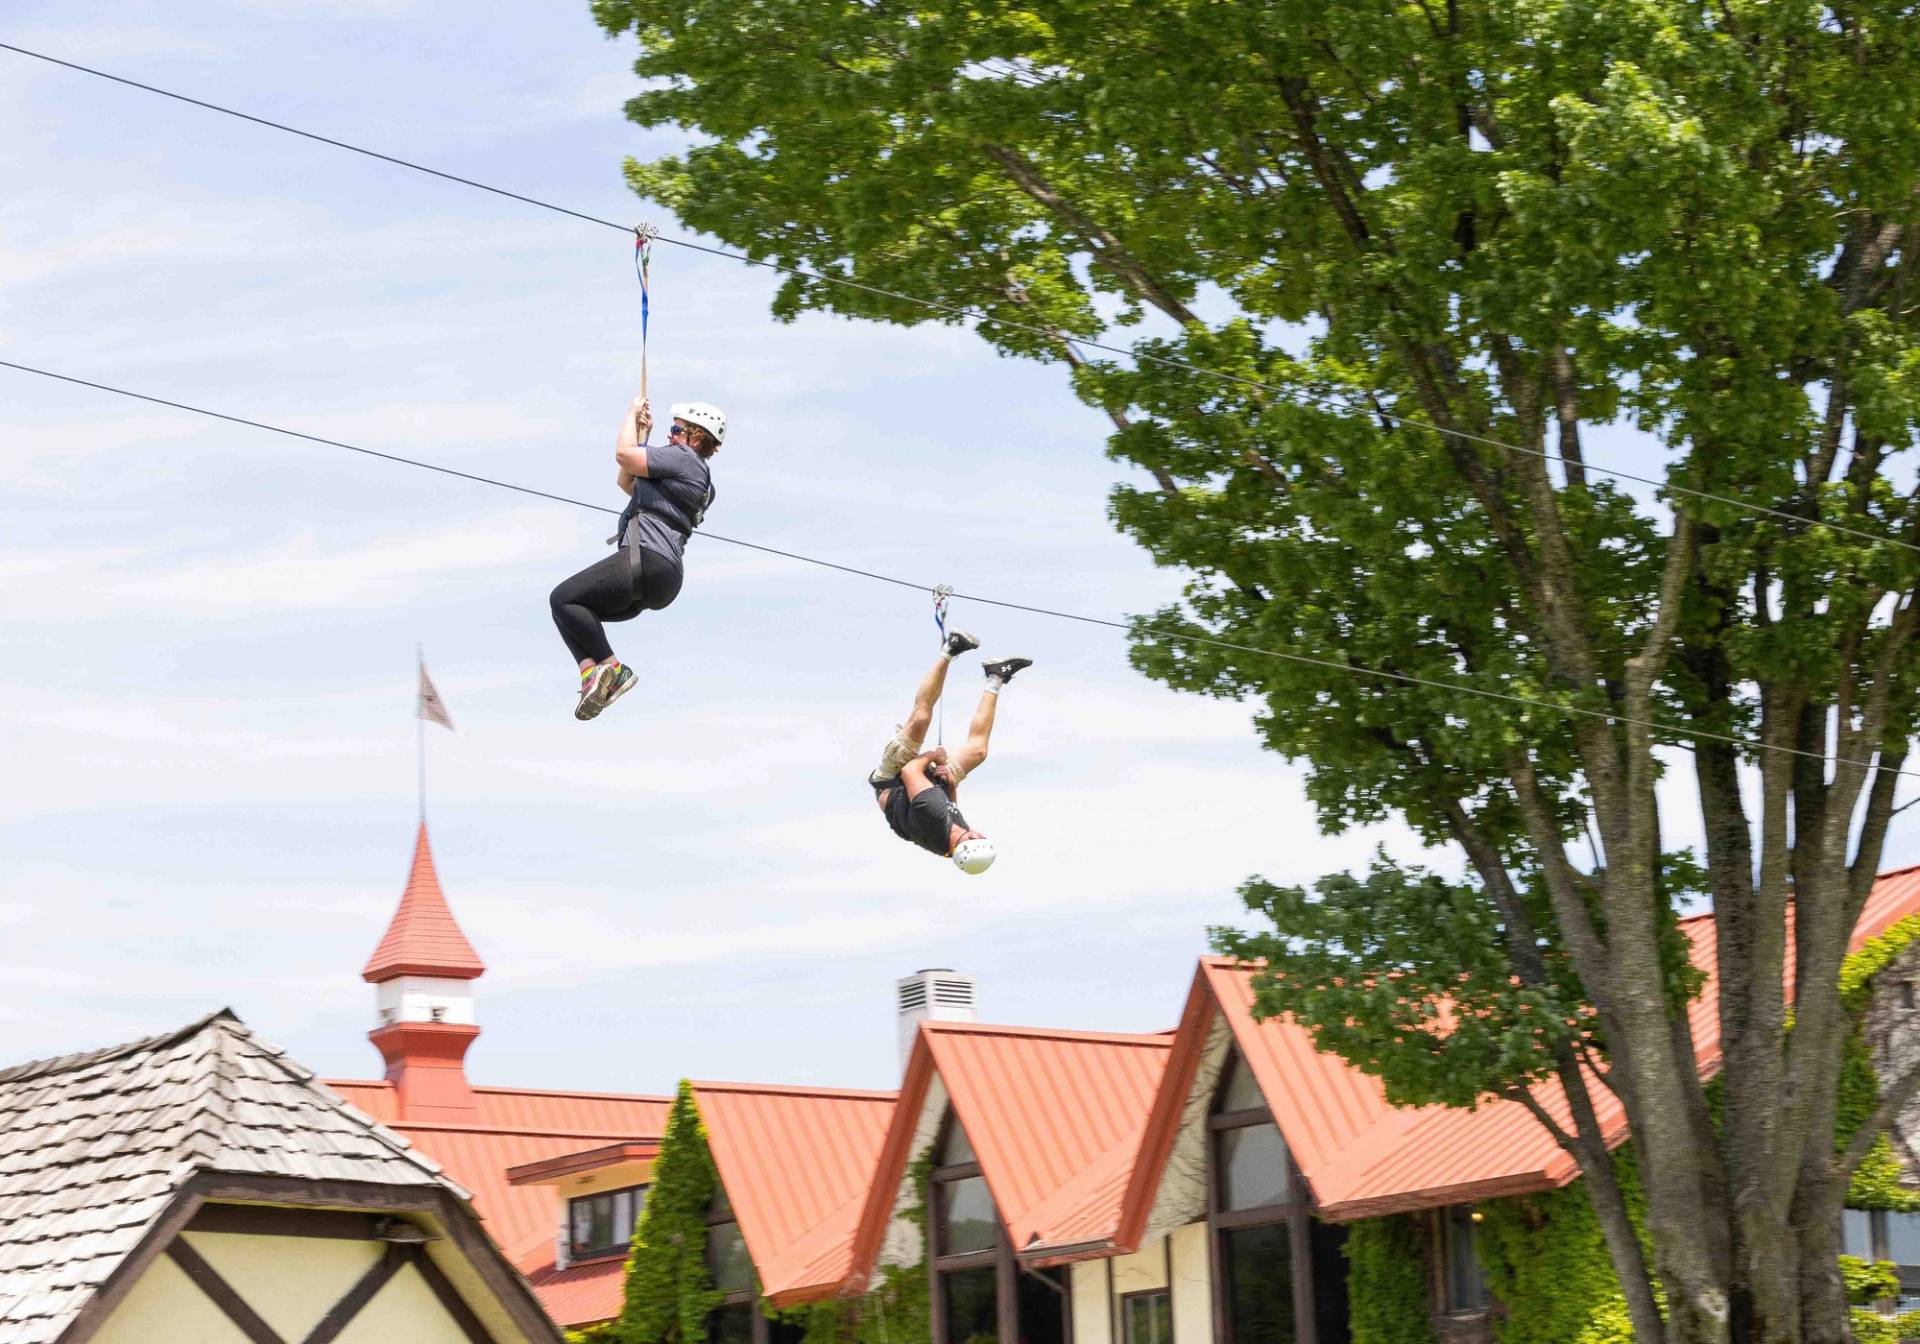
(618, 588)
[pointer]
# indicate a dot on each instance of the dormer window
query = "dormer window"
(602, 1223)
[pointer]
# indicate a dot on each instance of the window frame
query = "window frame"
(719, 1214)
(1446, 1236)
(1125, 1335)
(1880, 1247)
(999, 1257)
(1296, 1212)
(576, 1256)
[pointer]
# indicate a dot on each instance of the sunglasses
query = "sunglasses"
(677, 429)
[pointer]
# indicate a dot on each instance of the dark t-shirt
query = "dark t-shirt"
(926, 820)
(677, 487)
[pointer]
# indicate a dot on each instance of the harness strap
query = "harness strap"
(942, 593)
(643, 236)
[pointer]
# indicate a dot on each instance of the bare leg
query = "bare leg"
(924, 699)
(972, 756)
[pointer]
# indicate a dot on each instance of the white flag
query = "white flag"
(432, 708)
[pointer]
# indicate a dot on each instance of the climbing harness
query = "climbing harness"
(643, 236)
(942, 594)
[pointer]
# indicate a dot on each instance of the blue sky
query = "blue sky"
(208, 675)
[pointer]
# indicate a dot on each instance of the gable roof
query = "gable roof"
(423, 938)
(1362, 1157)
(1054, 1117)
(95, 1147)
(515, 1126)
(796, 1163)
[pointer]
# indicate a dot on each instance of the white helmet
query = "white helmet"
(975, 855)
(704, 414)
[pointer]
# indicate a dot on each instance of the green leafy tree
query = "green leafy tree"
(1407, 233)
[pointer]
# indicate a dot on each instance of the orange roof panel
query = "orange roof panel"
(796, 1163)
(1054, 1117)
(1362, 1157)
(423, 938)
(517, 1126)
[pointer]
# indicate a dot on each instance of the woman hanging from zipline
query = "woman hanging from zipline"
(669, 488)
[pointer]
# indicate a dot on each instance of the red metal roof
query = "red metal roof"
(423, 938)
(1362, 1157)
(796, 1163)
(517, 1126)
(1054, 1117)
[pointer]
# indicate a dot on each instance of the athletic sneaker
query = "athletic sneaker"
(617, 683)
(1003, 670)
(590, 703)
(959, 641)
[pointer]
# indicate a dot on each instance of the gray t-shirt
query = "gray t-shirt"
(668, 501)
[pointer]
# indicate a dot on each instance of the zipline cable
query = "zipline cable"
(1296, 396)
(1130, 627)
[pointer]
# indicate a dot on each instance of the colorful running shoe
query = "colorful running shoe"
(617, 680)
(590, 680)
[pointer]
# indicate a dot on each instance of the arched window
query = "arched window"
(1279, 1274)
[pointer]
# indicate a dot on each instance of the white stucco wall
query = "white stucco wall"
(167, 1305)
(904, 1246)
(1192, 1286)
(405, 1309)
(1088, 1281)
(291, 1283)
(1099, 1284)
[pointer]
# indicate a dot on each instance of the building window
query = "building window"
(1262, 1230)
(727, 1260)
(970, 1302)
(1883, 1235)
(1466, 1284)
(602, 1224)
(731, 1324)
(967, 1219)
(980, 1296)
(967, 1243)
(1146, 1318)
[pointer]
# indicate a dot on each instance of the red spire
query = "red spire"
(423, 938)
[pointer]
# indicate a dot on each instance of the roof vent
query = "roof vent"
(935, 994)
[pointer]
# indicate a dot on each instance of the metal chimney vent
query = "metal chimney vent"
(935, 994)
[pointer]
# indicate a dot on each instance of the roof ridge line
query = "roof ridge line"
(306, 1079)
(798, 1090)
(1162, 1038)
(67, 1063)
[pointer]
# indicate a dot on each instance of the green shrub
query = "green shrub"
(669, 1292)
(1387, 1282)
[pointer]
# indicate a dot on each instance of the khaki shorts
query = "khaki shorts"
(899, 750)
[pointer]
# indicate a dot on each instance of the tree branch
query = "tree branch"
(1106, 247)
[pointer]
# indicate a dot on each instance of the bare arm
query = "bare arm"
(630, 449)
(914, 773)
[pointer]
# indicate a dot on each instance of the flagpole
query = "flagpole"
(420, 729)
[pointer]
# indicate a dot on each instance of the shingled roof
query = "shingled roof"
(95, 1147)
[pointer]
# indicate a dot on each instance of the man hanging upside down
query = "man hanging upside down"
(916, 788)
